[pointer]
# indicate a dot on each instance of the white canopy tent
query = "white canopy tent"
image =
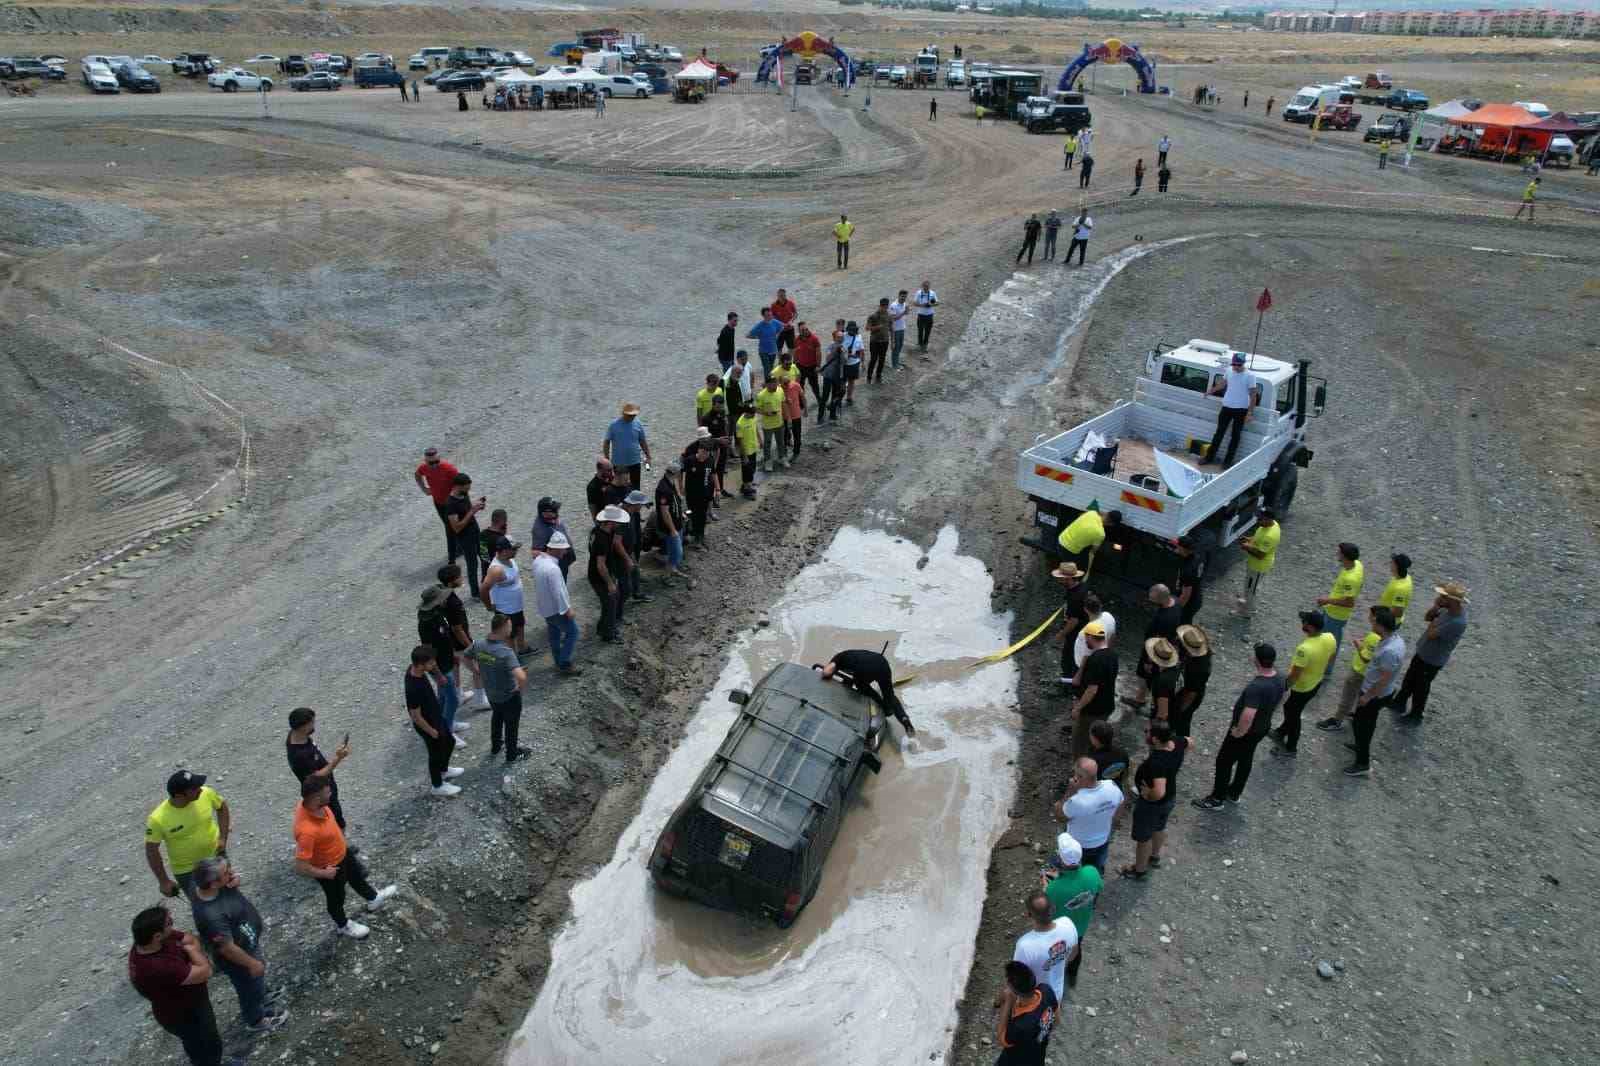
(1435, 120)
(699, 70)
(516, 77)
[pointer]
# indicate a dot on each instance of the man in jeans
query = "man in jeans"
(926, 300)
(554, 605)
(880, 330)
(897, 319)
(1252, 717)
(230, 927)
(1447, 622)
(766, 334)
(1089, 808)
(1381, 681)
(503, 681)
(320, 853)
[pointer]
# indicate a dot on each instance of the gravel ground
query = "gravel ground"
(397, 293)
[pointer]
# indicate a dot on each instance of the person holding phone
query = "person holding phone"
(461, 515)
(307, 761)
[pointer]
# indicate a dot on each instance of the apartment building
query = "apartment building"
(1483, 22)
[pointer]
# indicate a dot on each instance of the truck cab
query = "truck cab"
(1308, 101)
(1063, 111)
(1147, 457)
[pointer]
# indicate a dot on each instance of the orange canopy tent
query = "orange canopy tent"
(1503, 129)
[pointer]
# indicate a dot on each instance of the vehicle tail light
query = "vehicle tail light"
(663, 851)
(791, 907)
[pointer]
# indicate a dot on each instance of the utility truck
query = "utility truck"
(1145, 458)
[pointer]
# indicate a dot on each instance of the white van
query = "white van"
(1309, 100)
(1533, 107)
(608, 62)
(436, 52)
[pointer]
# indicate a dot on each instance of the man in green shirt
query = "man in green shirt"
(1262, 548)
(1340, 602)
(1072, 893)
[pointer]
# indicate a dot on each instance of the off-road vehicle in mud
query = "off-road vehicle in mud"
(759, 822)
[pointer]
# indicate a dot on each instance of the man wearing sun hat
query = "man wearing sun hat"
(1074, 614)
(1447, 623)
(626, 443)
(1167, 678)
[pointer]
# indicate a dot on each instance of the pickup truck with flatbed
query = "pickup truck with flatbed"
(1128, 458)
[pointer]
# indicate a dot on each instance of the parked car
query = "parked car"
(1533, 107)
(18, 67)
(897, 74)
(294, 64)
(237, 79)
(955, 74)
(338, 63)
(53, 60)
(628, 52)
(1340, 117)
(317, 79)
(624, 85)
(1352, 82)
(99, 79)
(671, 54)
(372, 77)
(520, 58)
(1407, 100)
(456, 81)
(1561, 151)
(1391, 126)
(759, 822)
(417, 61)
(262, 57)
(194, 64)
(136, 79)
(433, 76)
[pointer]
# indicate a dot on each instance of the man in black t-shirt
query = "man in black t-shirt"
(700, 490)
(1095, 684)
(1190, 568)
(1155, 788)
(1252, 717)
(864, 669)
(1027, 1012)
(306, 759)
(1167, 679)
(1165, 618)
(461, 514)
(1074, 614)
(428, 720)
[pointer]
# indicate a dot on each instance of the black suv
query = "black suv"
(136, 79)
(294, 64)
(757, 826)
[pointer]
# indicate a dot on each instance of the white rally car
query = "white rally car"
(237, 79)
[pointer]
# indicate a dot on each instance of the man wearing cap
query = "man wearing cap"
(863, 669)
(1072, 892)
(1447, 623)
(700, 490)
(727, 340)
(502, 591)
(1306, 670)
(626, 443)
(633, 542)
(1089, 807)
(1340, 601)
(1378, 686)
(545, 526)
(1240, 391)
(605, 575)
(193, 822)
(1261, 548)
(718, 438)
(434, 476)
(1094, 687)
(669, 517)
(554, 604)
(504, 680)
(1252, 718)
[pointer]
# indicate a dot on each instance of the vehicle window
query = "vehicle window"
(1185, 377)
(1285, 402)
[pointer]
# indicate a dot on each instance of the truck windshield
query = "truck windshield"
(1285, 402)
(1185, 377)
(1304, 100)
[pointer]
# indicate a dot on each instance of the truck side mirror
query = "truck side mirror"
(1320, 399)
(739, 696)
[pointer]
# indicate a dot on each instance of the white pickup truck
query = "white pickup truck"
(238, 79)
(1111, 460)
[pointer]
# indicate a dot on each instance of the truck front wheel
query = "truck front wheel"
(1283, 491)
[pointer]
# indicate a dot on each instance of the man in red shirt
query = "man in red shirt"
(784, 310)
(170, 969)
(808, 357)
(436, 477)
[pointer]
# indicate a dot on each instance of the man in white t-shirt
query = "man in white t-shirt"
(926, 300)
(1096, 612)
(1046, 947)
(897, 321)
(1082, 226)
(1089, 807)
(1240, 391)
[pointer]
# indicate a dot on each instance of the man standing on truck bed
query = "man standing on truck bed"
(1240, 392)
(864, 668)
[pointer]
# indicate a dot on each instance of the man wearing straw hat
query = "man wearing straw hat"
(1164, 622)
(1074, 613)
(1195, 648)
(625, 443)
(1167, 679)
(1447, 622)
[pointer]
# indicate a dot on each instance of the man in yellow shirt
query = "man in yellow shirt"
(769, 407)
(1527, 200)
(193, 822)
(1306, 670)
(744, 437)
(1352, 681)
(786, 371)
(1397, 593)
(1261, 547)
(1069, 148)
(1340, 602)
(841, 237)
(704, 398)
(1084, 535)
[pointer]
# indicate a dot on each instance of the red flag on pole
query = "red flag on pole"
(1265, 303)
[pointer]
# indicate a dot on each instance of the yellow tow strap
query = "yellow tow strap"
(1003, 654)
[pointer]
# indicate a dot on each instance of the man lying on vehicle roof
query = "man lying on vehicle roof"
(861, 669)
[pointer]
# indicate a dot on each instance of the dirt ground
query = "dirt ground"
(269, 317)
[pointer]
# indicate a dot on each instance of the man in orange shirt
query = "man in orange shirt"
(794, 411)
(436, 477)
(320, 853)
(784, 310)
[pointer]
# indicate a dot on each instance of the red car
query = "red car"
(1340, 117)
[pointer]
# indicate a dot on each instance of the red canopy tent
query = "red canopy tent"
(1560, 123)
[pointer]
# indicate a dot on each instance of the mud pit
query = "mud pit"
(872, 968)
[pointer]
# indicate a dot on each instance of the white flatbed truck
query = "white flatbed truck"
(1172, 411)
